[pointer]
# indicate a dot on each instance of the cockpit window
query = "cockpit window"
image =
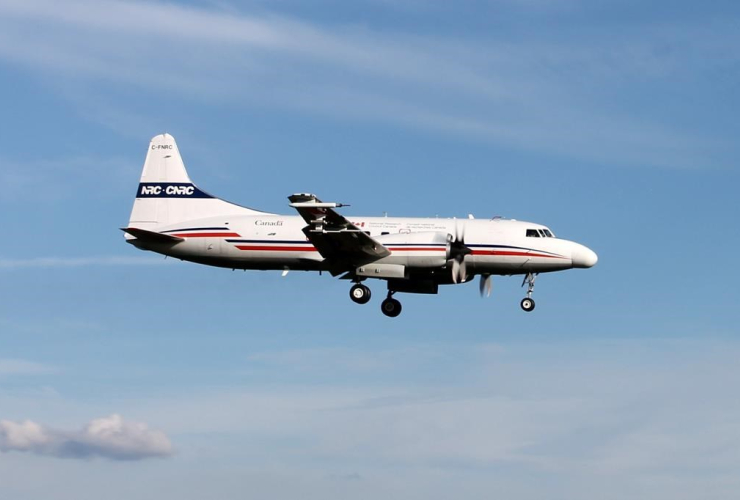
(539, 233)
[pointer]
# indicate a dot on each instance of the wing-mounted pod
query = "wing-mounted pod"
(429, 249)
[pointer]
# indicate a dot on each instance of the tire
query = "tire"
(527, 304)
(360, 294)
(391, 307)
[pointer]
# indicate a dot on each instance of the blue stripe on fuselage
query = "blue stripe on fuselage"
(170, 190)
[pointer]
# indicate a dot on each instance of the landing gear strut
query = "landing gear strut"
(527, 303)
(390, 306)
(360, 294)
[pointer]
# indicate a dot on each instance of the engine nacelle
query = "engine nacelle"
(375, 270)
(430, 249)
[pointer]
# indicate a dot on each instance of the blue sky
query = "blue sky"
(614, 123)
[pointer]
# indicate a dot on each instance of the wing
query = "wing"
(343, 245)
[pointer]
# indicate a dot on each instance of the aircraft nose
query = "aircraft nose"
(583, 257)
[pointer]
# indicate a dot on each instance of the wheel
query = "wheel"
(391, 307)
(360, 294)
(527, 304)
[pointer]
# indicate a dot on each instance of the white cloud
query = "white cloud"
(52, 262)
(545, 95)
(23, 436)
(627, 412)
(108, 437)
(647, 416)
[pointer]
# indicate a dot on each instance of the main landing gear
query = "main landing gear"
(390, 306)
(361, 294)
(527, 303)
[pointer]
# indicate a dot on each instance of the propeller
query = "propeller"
(459, 271)
(457, 252)
(486, 285)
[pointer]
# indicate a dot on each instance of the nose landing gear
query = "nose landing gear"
(527, 303)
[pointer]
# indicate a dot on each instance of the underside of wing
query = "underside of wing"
(342, 244)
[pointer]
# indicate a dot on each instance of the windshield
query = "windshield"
(539, 233)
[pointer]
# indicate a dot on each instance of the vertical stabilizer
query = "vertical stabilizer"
(166, 195)
(163, 162)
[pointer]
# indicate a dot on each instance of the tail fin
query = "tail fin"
(166, 195)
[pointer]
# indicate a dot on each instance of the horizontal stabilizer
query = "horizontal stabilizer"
(151, 236)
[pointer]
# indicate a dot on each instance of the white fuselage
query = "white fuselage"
(173, 217)
(267, 241)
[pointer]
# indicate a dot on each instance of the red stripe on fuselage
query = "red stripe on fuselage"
(277, 249)
(417, 249)
(206, 235)
(506, 253)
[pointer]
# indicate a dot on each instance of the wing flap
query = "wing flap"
(342, 244)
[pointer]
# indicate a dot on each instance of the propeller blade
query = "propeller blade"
(458, 251)
(459, 232)
(486, 285)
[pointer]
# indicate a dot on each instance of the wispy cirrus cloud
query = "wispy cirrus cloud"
(648, 415)
(10, 366)
(50, 181)
(109, 437)
(615, 408)
(62, 262)
(547, 95)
